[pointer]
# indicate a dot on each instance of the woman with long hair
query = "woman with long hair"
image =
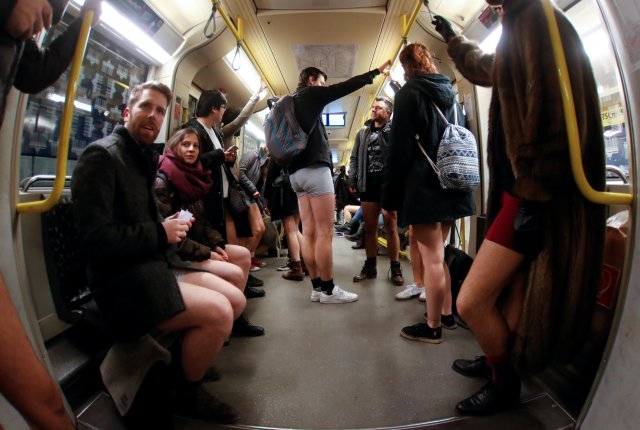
(411, 186)
(182, 184)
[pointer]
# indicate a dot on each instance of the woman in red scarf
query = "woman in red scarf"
(181, 185)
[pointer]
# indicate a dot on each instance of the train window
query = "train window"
(334, 119)
(107, 72)
(585, 16)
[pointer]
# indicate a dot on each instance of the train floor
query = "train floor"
(346, 366)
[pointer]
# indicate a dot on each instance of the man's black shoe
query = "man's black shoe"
(198, 403)
(476, 368)
(490, 399)
(358, 245)
(252, 281)
(211, 375)
(243, 327)
(253, 292)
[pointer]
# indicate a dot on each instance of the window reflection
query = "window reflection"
(103, 88)
(585, 16)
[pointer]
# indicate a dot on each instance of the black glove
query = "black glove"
(443, 27)
(528, 228)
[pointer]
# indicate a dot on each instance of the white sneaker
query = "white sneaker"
(315, 295)
(339, 296)
(423, 295)
(409, 292)
(254, 268)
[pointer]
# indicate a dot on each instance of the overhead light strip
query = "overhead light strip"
(131, 32)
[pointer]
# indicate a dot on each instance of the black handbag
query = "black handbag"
(238, 200)
(459, 263)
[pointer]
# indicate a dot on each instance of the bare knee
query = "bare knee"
(238, 303)
(468, 307)
(236, 275)
(217, 315)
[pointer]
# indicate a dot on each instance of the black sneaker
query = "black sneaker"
(448, 321)
(202, 405)
(252, 281)
(285, 267)
(421, 332)
(490, 399)
(476, 368)
(253, 292)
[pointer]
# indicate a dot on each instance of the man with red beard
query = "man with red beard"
(125, 240)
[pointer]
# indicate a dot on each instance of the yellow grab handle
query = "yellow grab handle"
(65, 126)
(569, 110)
(406, 27)
(238, 33)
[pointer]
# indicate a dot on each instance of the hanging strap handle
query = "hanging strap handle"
(212, 19)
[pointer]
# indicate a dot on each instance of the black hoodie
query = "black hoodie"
(410, 184)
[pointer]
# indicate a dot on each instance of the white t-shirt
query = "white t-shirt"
(218, 145)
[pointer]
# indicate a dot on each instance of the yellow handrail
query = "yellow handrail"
(238, 34)
(65, 126)
(406, 26)
(569, 110)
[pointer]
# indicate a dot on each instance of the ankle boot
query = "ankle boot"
(344, 228)
(395, 273)
(358, 235)
(243, 327)
(295, 272)
(369, 271)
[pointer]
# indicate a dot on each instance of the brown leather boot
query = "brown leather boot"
(295, 273)
(396, 273)
(369, 271)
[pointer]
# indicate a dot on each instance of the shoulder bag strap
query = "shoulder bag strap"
(433, 165)
(441, 114)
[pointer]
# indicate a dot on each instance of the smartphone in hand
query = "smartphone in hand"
(232, 148)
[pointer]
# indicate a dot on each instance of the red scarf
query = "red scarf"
(191, 182)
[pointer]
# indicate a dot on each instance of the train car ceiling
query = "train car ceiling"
(341, 37)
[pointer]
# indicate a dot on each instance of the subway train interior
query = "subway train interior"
(317, 366)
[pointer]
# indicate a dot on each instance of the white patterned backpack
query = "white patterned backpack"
(457, 158)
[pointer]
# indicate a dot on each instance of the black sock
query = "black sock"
(327, 286)
(188, 389)
(371, 262)
(395, 264)
(316, 283)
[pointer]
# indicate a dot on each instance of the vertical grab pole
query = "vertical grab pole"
(65, 126)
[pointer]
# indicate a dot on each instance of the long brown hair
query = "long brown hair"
(417, 59)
